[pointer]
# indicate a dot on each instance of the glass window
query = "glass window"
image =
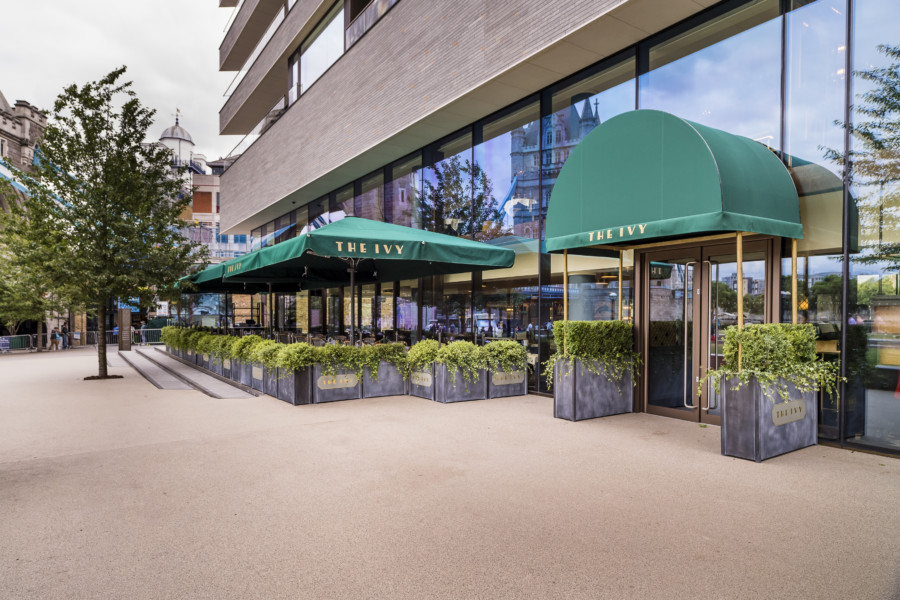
(507, 177)
(341, 204)
(725, 73)
(872, 411)
(408, 310)
(322, 48)
(401, 204)
(447, 198)
(317, 214)
(384, 313)
(370, 203)
(577, 110)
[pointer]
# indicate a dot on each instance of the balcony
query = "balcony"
(249, 24)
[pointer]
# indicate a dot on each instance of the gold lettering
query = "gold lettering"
(376, 248)
(621, 232)
(591, 236)
(339, 244)
(609, 234)
(399, 248)
(630, 230)
(387, 248)
(351, 247)
(362, 248)
(599, 235)
(642, 228)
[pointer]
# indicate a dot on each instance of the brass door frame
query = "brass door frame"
(700, 252)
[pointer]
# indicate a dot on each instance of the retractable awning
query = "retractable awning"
(648, 175)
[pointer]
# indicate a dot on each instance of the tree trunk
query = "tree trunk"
(101, 338)
(40, 335)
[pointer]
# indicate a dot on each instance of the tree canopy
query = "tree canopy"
(104, 203)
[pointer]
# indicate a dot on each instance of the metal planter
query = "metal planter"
(579, 394)
(257, 376)
(454, 388)
(225, 364)
(390, 382)
(421, 383)
(215, 365)
(507, 383)
(245, 373)
(343, 385)
(295, 387)
(756, 428)
(270, 381)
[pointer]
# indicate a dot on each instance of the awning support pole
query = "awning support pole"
(270, 311)
(740, 289)
(565, 285)
(794, 299)
(619, 288)
(352, 270)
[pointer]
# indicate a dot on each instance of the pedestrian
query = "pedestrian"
(132, 333)
(54, 339)
(143, 334)
(65, 335)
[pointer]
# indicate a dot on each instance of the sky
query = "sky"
(171, 49)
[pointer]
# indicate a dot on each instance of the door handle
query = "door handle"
(687, 347)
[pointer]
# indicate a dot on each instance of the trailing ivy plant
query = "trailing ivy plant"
(295, 357)
(222, 349)
(265, 353)
(371, 356)
(465, 357)
(242, 349)
(333, 357)
(774, 354)
(507, 356)
(422, 354)
(599, 345)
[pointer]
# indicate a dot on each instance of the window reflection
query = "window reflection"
(448, 187)
(318, 52)
(402, 194)
(872, 410)
(724, 74)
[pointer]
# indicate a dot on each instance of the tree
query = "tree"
(102, 204)
(459, 201)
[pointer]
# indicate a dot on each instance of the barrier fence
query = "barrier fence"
(29, 342)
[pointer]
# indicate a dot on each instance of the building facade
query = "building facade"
(21, 126)
(457, 118)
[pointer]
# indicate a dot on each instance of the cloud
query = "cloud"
(171, 49)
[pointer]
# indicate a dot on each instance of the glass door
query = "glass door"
(690, 297)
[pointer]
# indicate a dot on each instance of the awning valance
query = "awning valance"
(648, 175)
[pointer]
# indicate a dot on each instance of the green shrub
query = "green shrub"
(223, 348)
(204, 343)
(597, 344)
(464, 357)
(775, 354)
(295, 357)
(371, 357)
(170, 336)
(242, 349)
(192, 338)
(332, 357)
(506, 355)
(422, 354)
(265, 352)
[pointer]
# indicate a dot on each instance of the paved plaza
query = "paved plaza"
(117, 489)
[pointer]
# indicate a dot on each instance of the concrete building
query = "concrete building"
(461, 117)
(21, 126)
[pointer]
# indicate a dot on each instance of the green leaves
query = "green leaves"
(506, 355)
(371, 356)
(464, 357)
(422, 354)
(606, 344)
(775, 354)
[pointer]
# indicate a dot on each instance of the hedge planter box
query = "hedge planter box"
(390, 381)
(245, 373)
(295, 387)
(437, 384)
(215, 365)
(257, 377)
(507, 383)
(343, 385)
(270, 381)
(579, 394)
(226, 368)
(756, 428)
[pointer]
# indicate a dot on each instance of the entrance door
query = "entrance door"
(689, 297)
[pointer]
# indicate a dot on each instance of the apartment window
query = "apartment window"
(318, 52)
(2, 147)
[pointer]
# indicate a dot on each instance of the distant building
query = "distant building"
(21, 126)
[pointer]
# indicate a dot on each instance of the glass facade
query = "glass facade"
(318, 52)
(775, 71)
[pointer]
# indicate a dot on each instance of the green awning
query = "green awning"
(385, 252)
(209, 280)
(648, 175)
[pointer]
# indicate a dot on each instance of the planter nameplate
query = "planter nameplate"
(257, 373)
(226, 363)
(512, 378)
(788, 412)
(337, 382)
(421, 378)
(206, 358)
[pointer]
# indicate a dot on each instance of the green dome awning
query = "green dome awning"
(648, 175)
